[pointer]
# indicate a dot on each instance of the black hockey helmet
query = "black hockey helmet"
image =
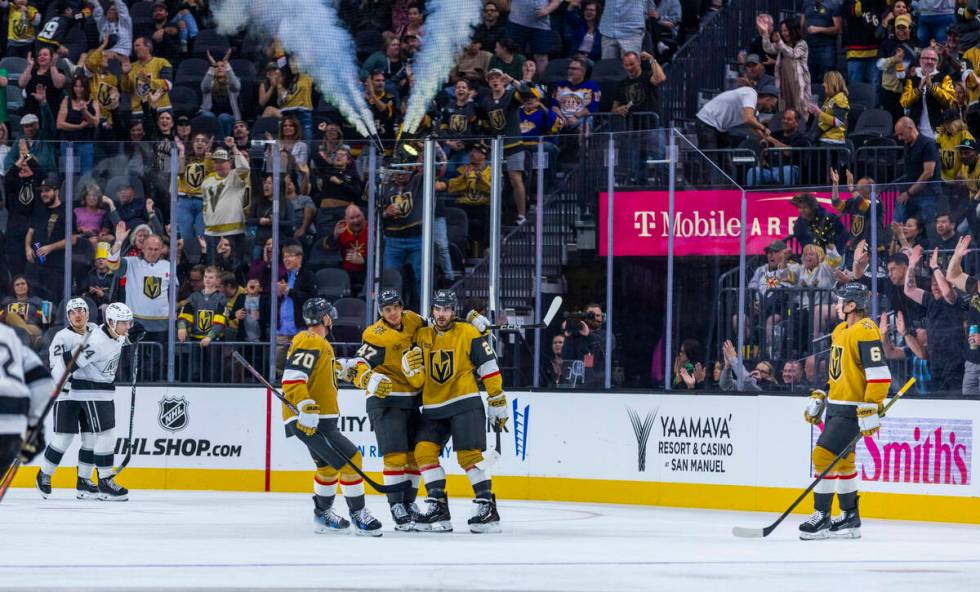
(315, 309)
(387, 297)
(855, 292)
(445, 299)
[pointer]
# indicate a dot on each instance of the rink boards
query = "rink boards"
(704, 451)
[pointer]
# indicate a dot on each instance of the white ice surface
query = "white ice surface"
(166, 539)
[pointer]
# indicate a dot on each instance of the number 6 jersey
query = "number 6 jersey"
(858, 369)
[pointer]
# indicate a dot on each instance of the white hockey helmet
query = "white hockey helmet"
(75, 304)
(115, 312)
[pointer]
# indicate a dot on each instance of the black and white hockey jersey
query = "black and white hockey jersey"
(94, 378)
(59, 353)
(25, 384)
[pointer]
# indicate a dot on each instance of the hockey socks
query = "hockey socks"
(480, 480)
(435, 480)
(54, 452)
(392, 477)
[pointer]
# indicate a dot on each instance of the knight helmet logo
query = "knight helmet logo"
(173, 413)
(443, 365)
(642, 429)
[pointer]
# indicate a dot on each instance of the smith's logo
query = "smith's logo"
(443, 365)
(173, 413)
(642, 429)
(520, 429)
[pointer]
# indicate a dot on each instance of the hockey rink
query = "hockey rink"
(167, 539)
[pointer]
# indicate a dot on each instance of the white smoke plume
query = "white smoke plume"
(311, 33)
(448, 28)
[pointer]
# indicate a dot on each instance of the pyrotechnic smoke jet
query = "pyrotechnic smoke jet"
(311, 33)
(448, 28)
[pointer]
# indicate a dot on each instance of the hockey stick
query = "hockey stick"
(132, 413)
(490, 457)
(30, 439)
(548, 317)
(758, 533)
(377, 486)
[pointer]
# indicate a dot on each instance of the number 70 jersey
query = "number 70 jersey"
(310, 374)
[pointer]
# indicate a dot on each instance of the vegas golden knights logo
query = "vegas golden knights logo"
(635, 94)
(457, 123)
(443, 365)
(857, 225)
(152, 286)
(497, 119)
(104, 94)
(404, 202)
(195, 175)
(836, 359)
(204, 320)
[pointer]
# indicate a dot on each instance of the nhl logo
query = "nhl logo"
(173, 413)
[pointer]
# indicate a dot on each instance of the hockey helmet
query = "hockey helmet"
(76, 304)
(855, 292)
(315, 309)
(114, 314)
(445, 299)
(117, 311)
(389, 296)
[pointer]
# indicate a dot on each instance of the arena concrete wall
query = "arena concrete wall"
(706, 451)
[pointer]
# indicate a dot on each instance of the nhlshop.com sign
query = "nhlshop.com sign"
(926, 451)
(705, 222)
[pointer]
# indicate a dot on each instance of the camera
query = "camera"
(581, 316)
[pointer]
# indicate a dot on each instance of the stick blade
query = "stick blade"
(748, 533)
(552, 310)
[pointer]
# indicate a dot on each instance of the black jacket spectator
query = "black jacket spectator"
(303, 289)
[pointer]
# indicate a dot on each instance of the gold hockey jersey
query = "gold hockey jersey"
(310, 374)
(381, 349)
(858, 369)
(453, 359)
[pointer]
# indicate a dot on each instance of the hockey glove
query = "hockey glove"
(412, 361)
(136, 333)
(309, 416)
(345, 369)
(815, 407)
(479, 321)
(376, 384)
(29, 450)
(497, 410)
(869, 422)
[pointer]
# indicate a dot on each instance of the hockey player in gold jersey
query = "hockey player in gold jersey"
(394, 418)
(445, 364)
(310, 383)
(859, 382)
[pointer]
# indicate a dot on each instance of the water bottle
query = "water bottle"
(974, 329)
(40, 258)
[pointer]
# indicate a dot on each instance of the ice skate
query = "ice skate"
(43, 484)
(402, 518)
(86, 489)
(816, 527)
(325, 521)
(485, 518)
(435, 517)
(364, 523)
(110, 491)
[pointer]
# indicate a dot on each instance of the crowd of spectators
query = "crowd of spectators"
(131, 86)
(882, 96)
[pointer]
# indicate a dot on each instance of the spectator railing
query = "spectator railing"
(640, 222)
